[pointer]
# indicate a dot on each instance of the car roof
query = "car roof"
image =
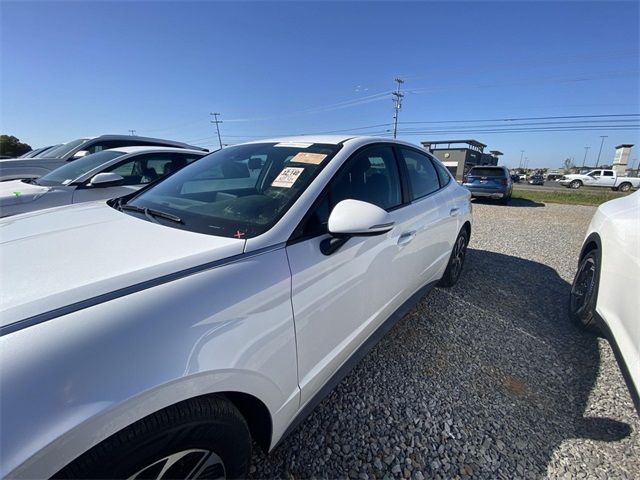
(139, 149)
(336, 139)
(328, 139)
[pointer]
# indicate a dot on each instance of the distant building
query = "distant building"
(621, 160)
(460, 155)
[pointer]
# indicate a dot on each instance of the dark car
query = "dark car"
(536, 180)
(490, 182)
(515, 178)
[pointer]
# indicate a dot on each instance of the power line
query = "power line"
(515, 119)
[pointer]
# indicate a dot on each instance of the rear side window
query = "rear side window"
(443, 173)
(487, 172)
(423, 177)
(607, 174)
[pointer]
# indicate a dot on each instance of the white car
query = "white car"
(100, 176)
(600, 178)
(605, 292)
(51, 158)
(154, 336)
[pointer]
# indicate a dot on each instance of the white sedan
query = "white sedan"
(155, 335)
(100, 176)
(605, 295)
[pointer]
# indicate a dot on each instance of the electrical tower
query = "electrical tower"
(217, 122)
(132, 132)
(397, 104)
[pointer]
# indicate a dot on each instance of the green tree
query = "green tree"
(11, 146)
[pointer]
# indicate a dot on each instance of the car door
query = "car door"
(435, 213)
(607, 179)
(340, 299)
(593, 178)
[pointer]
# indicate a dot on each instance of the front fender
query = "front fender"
(70, 382)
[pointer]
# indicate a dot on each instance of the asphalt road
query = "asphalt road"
(488, 379)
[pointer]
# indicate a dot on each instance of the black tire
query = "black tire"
(575, 184)
(505, 200)
(584, 292)
(624, 187)
(456, 260)
(207, 434)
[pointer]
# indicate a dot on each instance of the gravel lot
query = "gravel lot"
(486, 380)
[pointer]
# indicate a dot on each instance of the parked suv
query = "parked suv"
(489, 181)
(25, 168)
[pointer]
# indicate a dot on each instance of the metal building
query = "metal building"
(460, 155)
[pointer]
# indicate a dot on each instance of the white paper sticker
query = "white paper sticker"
(287, 177)
(293, 144)
(307, 157)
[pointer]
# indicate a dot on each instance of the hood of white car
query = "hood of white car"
(17, 191)
(54, 258)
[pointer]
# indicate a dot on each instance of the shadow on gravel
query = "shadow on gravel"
(484, 380)
(514, 202)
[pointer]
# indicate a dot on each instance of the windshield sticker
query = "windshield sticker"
(287, 177)
(306, 157)
(293, 144)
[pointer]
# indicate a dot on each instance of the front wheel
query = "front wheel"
(584, 292)
(575, 184)
(202, 438)
(625, 187)
(456, 261)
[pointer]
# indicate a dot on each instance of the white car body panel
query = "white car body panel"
(158, 315)
(617, 223)
(131, 251)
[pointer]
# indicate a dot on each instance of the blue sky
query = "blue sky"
(71, 69)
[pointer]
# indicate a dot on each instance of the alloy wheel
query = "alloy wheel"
(583, 285)
(457, 257)
(193, 464)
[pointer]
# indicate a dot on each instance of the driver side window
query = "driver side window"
(370, 176)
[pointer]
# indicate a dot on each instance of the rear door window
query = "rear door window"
(423, 177)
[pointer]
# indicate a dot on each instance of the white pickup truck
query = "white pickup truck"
(600, 178)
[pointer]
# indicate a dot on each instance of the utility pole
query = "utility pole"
(599, 152)
(217, 122)
(132, 132)
(521, 154)
(397, 104)
(586, 150)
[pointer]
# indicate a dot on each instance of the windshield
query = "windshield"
(64, 149)
(486, 172)
(69, 172)
(239, 191)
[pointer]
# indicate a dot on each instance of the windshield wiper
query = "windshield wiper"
(150, 213)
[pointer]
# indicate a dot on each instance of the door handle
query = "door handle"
(406, 237)
(454, 211)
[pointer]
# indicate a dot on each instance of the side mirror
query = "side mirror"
(106, 179)
(80, 154)
(354, 218)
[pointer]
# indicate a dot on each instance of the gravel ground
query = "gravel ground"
(485, 380)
